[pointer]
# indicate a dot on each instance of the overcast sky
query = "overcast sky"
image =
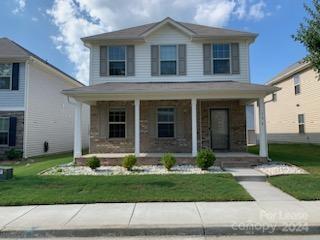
(52, 28)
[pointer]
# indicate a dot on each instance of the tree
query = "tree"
(308, 34)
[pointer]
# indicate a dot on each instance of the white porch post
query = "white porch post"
(194, 126)
(262, 129)
(77, 148)
(137, 127)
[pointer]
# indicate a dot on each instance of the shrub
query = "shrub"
(93, 163)
(205, 158)
(129, 161)
(168, 161)
(13, 154)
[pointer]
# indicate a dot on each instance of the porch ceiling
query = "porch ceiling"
(169, 90)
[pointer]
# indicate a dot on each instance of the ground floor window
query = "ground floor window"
(117, 123)
(166, 121)
(301, 123)
(4, 131)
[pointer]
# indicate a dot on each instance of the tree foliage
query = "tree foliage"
(308, 34)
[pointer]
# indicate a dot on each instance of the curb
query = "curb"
(161, 231)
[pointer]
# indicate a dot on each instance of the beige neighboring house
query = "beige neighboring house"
(169, 86)
(293, 113)
(35, 117)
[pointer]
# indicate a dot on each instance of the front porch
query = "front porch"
(223, 159)
(149, 119)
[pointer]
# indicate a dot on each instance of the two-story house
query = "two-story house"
(169, 86)
(35, 117)
(294, 111)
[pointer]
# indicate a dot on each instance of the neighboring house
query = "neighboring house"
(169, 86)
(293, 113)
(32, 109)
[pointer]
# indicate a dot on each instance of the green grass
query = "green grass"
(29, 188)
(307, 156)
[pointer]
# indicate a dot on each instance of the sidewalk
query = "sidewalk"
(192, 218)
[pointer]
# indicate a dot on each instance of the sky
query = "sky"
(52, 28)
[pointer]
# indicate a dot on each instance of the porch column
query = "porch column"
(77, 148)
(137, 127)
(194, 126)
(262, 129)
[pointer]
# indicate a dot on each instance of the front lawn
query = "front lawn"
(307, 156)
(29, 188)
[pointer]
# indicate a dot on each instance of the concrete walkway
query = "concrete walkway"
(256, 185)
(192, 218)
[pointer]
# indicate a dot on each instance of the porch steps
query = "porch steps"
(244, 162)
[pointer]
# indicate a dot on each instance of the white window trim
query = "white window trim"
(177, 69)
(213, 58)
(125, 60)
(125, 122)
(167, 122)
(2, 131)
(302, 123)
(297, 76)
(10, 76)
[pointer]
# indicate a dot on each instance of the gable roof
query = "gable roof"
(290, 71)
(12, 50)
(193, 30)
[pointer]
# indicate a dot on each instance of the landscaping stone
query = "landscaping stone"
(274, 169)
(137, 170)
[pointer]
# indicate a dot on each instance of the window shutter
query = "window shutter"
(154, 60)
(207, 59)
(182, 55)
(12, 131)
(235, 58)
(104, 71)
(130, 61)
(15, 76)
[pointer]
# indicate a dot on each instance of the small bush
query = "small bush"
(129, 161)
(13, 154)
(168, 161)
(93, 163)
(205, 158)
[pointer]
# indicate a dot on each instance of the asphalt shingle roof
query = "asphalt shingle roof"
(167, 87)
(198, 31)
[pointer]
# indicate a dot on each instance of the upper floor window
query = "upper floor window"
(297, 88)
(5, 76)
(168, 60)
(4, 131)
(166, 122)
(117, 60)
(221, 58)
(117, 123)
(301, 123)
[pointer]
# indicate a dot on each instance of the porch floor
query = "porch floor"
(183, 155)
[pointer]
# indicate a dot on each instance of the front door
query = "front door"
(219, 129)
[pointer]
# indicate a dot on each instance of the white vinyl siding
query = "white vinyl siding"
(167, 35)
(50, 117)
(14, 99)
(282, 115)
